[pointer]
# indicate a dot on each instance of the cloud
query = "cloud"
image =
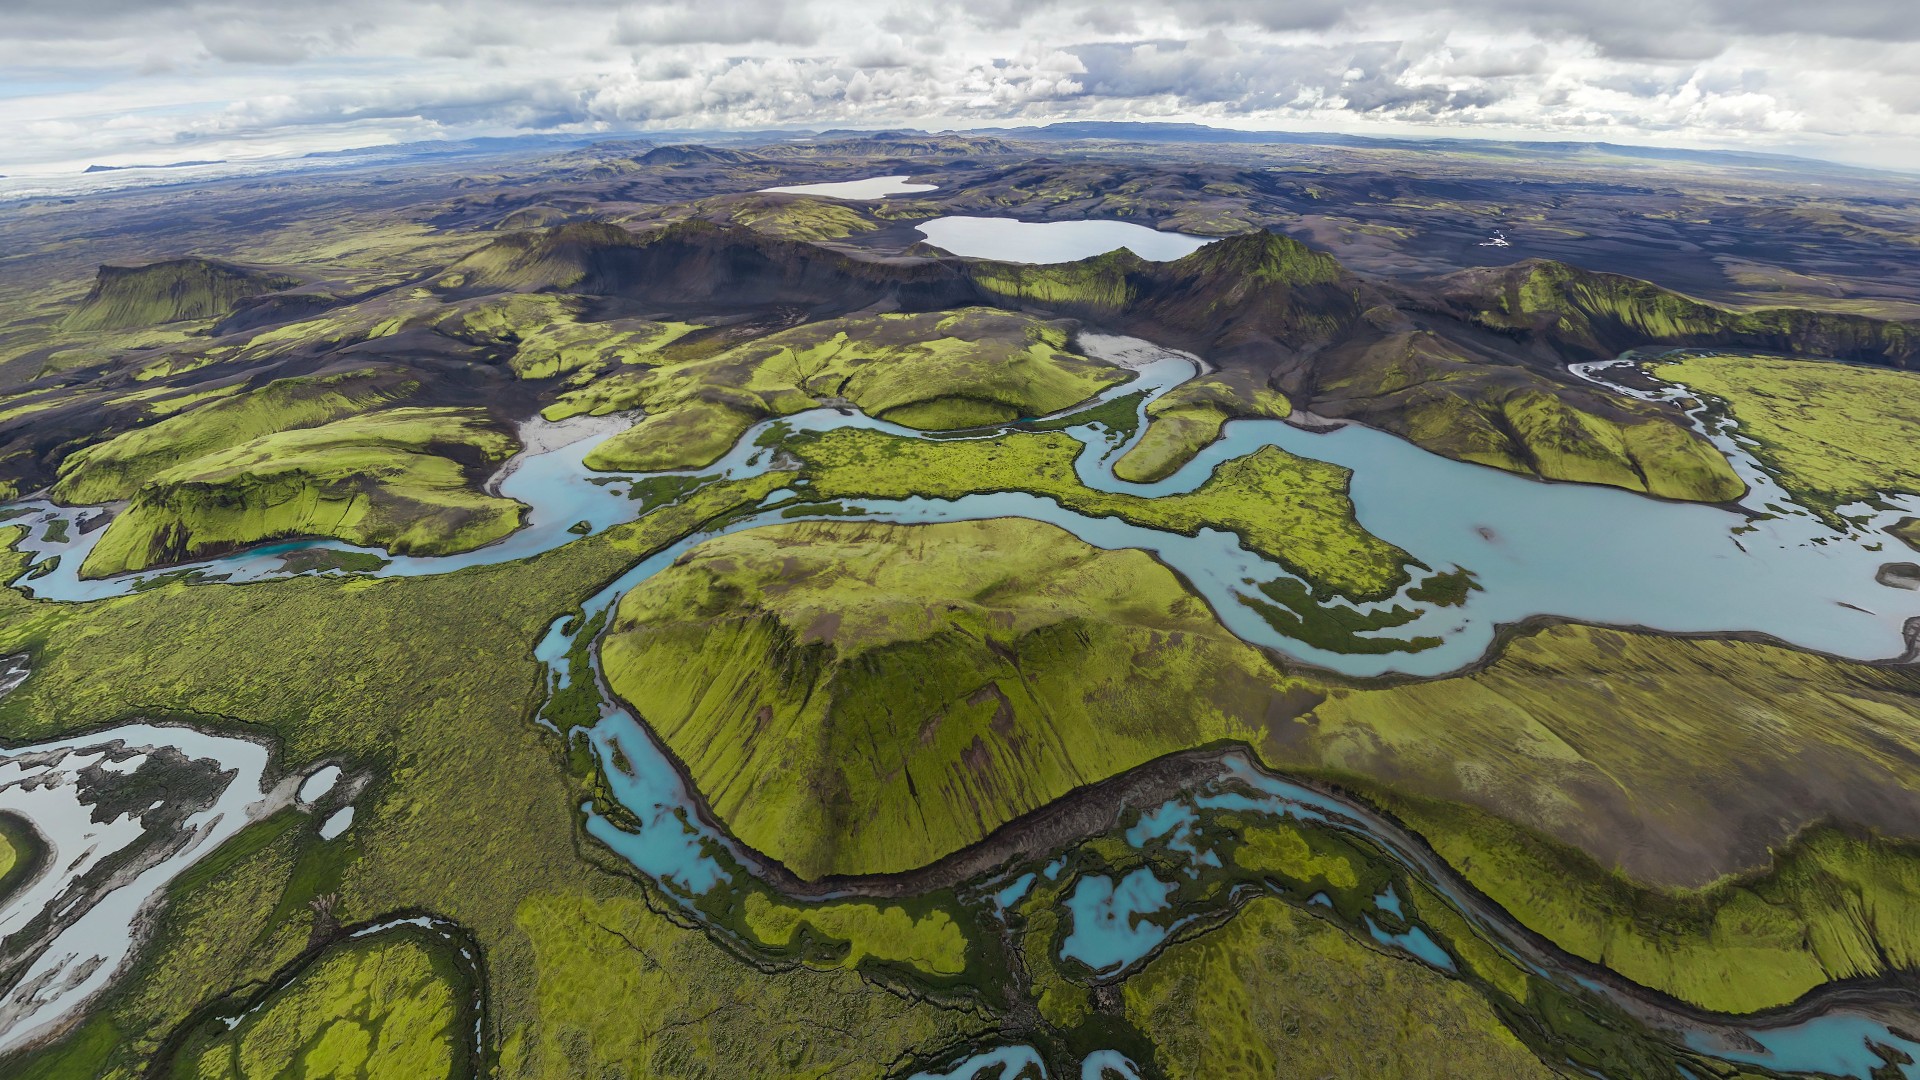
(91, 76)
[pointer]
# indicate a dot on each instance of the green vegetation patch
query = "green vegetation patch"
(1186, 419)
(392, 1006)
(624, 991)
(855, 697)
(1278, 992)
(1650, 775)
(1293, 510)
(164, 292)
(378, 480)
(932, 943)
(117, 468)
(22, 853)
(932, 371)
(1335, 628)
(1832, 434)
(1831, 906)
(1444, 399)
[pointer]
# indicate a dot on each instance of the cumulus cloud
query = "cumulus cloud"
(87, 78)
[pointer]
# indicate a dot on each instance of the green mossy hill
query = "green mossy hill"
(123, 297)
(388, 1007)
(937, 371)
(117, 468)
(585, 977)
(578, 257)
(1829, 906)
(791, 217)
(943, 679)
(1279, 993)
(1257, 296)
(1676, 760)
(545, 335)
(1186, 419)
(1832, 434)
(1293, 510)
(1471, 407)
(1595, 316)
(404, 479)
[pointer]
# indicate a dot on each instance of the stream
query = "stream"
(1581, 552)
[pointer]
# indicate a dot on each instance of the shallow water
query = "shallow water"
(1582, 552)
(873, 187)
(38, 782)
(1111, 928)
(1012, 240)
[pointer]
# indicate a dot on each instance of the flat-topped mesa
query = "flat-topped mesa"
(178, 290)
(1592, 315)
(688, 154)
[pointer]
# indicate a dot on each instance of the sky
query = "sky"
(151, 81)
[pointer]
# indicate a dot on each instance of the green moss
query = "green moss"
(1449, 589)
(861, 698)
(1296, 614)
(386, 1007)
(1831, 434)
(1832, 906)
(116, 469)
(374, 480)
(133, 296)
(1452, 402)
(947, 369)
(932, 943)
(795, 217)
(1099, 283)
(624, 991)
(22, 853)
(549, 335)
(1589, 780)
(1278, 992)
(1290, 509)
(434, 731)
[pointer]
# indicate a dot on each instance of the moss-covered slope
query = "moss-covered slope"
(935, 371)
(1277, 992)
(117, 468)
(402, 479)
(860, 698)
(1594, 316)
(164, 292)
(1291, 510)
(1183, 421)
(1832, 433)
(1471, 406)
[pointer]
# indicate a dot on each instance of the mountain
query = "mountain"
(181, 289)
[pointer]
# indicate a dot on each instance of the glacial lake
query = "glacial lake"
(1008, 240)
(873, 187)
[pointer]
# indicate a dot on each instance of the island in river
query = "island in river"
(894, 609)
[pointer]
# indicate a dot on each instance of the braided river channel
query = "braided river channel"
(1579, 552)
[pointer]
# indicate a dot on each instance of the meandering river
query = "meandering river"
(1586, 553)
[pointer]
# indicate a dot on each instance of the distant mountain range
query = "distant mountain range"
(168, 165)
(1108, 131)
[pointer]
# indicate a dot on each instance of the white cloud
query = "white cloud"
(139, 78)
